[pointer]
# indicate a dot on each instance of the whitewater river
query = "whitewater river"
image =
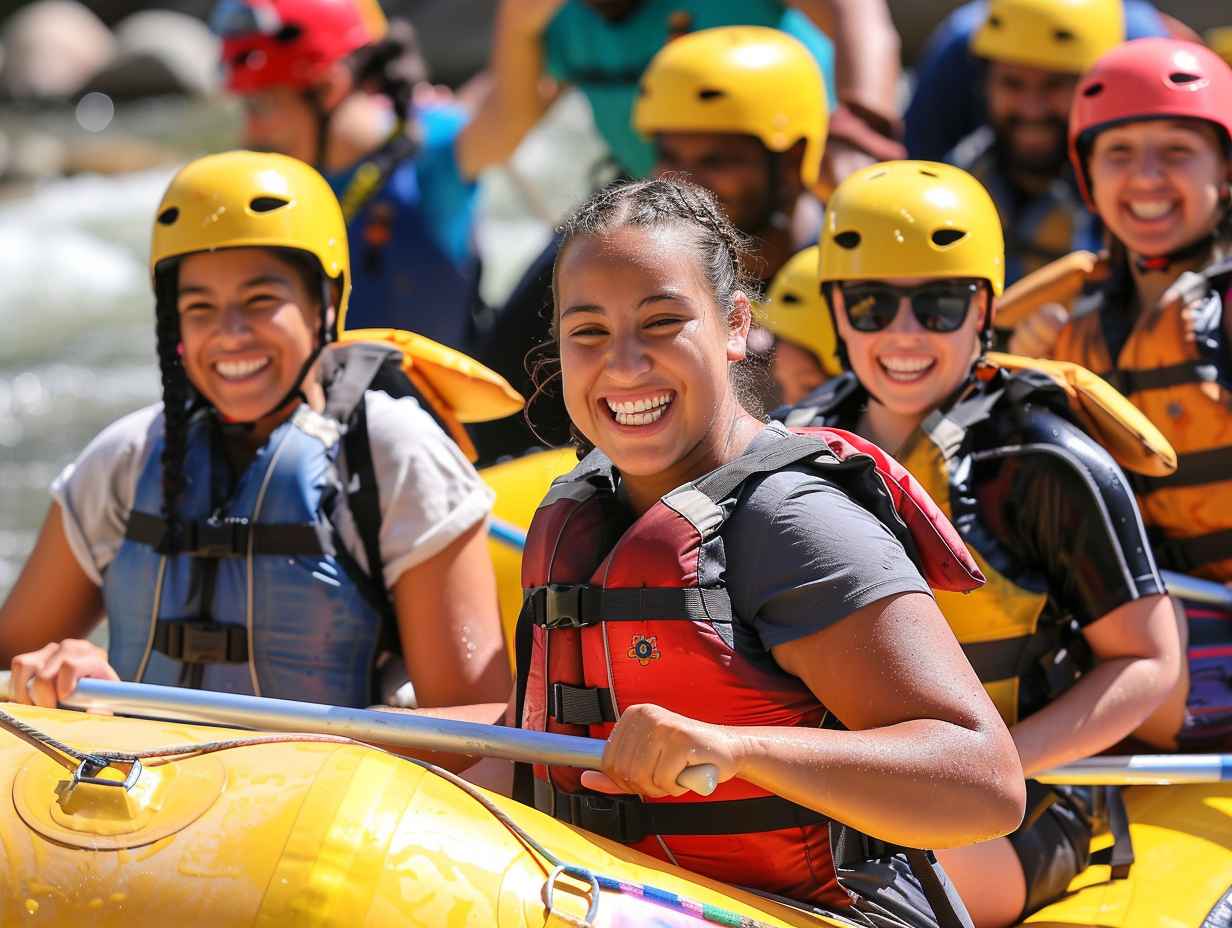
(76, 313)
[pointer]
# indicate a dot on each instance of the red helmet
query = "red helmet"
(1148, 79)
(290, 43)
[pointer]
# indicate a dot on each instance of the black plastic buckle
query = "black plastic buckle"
(611, 817)
(204, 643)
(562, 606)
(218, 539)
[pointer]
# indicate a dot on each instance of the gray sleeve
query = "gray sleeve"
(801, 555)
(96, 491)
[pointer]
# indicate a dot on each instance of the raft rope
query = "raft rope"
(65, 755)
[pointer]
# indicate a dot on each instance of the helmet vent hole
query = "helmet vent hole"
(709, 93)
(267, 204)
(1094, 90)
(928, 173)
(994, 22)
(944, 237)
(1183, 77)
(168, 216)
(288, 33)
(1063, 35)
(848, 240)
(791, 298)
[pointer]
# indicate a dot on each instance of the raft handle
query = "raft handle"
(578, 873)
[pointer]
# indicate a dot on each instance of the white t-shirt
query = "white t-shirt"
(430, 494)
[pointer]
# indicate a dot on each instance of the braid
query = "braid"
(176, 396)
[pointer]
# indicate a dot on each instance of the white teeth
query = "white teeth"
(906, 365)
(1150, 209)
(640, 412)
(234, 370)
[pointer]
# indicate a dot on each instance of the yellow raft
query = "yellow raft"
(312, 833)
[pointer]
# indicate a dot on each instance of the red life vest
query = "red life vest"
(641, 615)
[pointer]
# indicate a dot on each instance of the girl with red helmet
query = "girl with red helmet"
(1151, 142)
(705, 588)
(332, 83)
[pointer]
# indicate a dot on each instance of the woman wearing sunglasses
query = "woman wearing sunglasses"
(1072, 636)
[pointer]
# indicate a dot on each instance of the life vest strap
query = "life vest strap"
(227, 537)
(561, 605)
(202, 641)
(628, 819)
(1193, 469)
(579, 705)
(1129, 382)
(1187, 555)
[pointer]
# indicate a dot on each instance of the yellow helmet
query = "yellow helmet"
(749, 80)
(248, 199)
(912, 219)
(1220, 40)
(795, 310)
(1057, 35)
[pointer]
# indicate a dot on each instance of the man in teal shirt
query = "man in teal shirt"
(603, 46)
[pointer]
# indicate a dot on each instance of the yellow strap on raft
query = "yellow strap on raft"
(1107, 416)
(1059, 281)
(459, 388)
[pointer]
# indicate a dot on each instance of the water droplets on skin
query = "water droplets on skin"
(467, 643)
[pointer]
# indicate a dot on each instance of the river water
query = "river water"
(76, 312)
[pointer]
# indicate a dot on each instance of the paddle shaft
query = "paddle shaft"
(1143, 770)
(396, 729)
(1196, 589)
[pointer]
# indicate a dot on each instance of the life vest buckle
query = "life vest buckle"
(562, 606)
(217, 538)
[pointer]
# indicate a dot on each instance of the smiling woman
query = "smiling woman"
(221, 530)
(696, 543)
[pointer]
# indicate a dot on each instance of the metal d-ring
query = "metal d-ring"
(578, 873)
(92, 765)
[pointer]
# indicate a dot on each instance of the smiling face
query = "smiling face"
(248, 322)
(1028, 109)
(909, 369)
(645, 351)
(1157, 183)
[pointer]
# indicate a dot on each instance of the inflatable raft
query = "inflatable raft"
(295, 831)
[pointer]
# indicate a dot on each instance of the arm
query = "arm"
(449, 624)
(1137, 661)
(924, 735)
(517, 94)
(52, 605)
(865, 127)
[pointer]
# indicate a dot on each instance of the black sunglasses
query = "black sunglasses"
(938, 307)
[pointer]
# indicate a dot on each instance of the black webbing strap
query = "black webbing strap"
(1158, 378)
(721, 483)
(943, 900)
(227, 537)
(1120, 855)
(580, 705)
(201, 642)
(628, 819)
(568, 606)
(1193, 469)
(1188, 554)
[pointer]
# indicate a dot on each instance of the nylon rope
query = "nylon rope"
(48, 745)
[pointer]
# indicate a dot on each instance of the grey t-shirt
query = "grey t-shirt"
(802, 555)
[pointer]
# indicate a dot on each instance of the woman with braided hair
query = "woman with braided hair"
(332, 83)
(708, 589)
(224, 531)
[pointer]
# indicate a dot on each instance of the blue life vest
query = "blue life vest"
(410, 216)
(261, 598)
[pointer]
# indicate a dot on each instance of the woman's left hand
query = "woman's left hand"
(650, 746)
